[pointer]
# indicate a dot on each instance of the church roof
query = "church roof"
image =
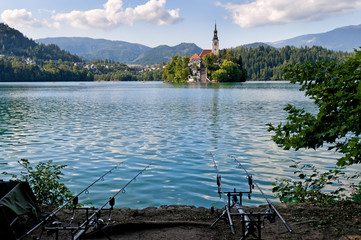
(195, 56)
(204, 52)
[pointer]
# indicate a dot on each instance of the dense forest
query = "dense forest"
(266, 63)
(15, 70)
(14, 43)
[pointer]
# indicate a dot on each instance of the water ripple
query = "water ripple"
(94, 126)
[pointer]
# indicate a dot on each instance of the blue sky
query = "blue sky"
(170, 22)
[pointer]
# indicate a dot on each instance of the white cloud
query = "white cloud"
(23, 18)
(271, 12)
(113, 14)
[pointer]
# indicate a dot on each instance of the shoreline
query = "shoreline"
(174, 222)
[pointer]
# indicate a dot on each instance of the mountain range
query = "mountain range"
(340, 39)
(120, 51)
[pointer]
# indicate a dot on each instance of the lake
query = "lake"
(94, 126)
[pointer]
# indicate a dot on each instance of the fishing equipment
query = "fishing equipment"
(252, 222)
(93, 215)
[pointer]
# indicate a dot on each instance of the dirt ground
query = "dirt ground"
(342, 222)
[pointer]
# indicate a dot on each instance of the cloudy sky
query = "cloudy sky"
(170, 22)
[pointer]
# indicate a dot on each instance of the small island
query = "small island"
(211, 65)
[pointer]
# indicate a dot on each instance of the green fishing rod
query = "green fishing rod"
(74, 200)
(265, 197)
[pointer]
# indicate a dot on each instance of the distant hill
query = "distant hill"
(92, 49)
(165, 53)
(256, 45)
(340, 39)
(120, 51)
(14, 43)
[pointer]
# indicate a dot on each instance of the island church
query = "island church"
(199, 72)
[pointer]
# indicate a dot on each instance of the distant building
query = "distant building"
(205, 52)
(215, 41)
(215, 44)
(200, 74)
(195, 60)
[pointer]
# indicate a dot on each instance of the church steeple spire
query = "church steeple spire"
(215, 36)
(215, 41)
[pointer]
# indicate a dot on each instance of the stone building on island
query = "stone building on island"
(199, 72)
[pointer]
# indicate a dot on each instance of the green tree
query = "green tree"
(336, 89)
(177, 70)
(233, 70)
(210, 62)
(220, 75)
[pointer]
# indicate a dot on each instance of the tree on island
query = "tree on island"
(335, 88)
(230, 70)
(177, 70)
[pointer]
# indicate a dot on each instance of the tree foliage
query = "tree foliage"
(221, 75)
(231, 70)
(335, 88)
(44, 179)
(311, 186)
(16, 70)
(177, 70)
(266, 63)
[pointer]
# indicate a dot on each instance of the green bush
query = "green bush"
(44, 180)
(311, 186)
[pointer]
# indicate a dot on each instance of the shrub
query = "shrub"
(44, 179)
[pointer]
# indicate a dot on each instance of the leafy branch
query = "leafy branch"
(44, 179)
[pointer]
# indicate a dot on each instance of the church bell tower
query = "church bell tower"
(215, 41)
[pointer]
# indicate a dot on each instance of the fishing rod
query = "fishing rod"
(74, 200)
(90, 221)
(221, 192)
(265, 197)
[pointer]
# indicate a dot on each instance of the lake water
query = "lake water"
(93, 126)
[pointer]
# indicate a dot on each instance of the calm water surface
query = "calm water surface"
(91, 127)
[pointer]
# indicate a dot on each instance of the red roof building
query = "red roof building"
(204, 52)
(195, 59)
(195, 56)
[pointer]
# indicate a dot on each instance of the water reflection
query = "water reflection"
(94, 126)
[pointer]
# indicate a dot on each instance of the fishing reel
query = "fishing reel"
(271, 217)
(219, 185)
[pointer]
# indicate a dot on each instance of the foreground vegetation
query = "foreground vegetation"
(335, 88)
(44, 179)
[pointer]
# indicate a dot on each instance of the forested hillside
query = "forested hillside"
(98, 49)
(14, 43)
(266, 63)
